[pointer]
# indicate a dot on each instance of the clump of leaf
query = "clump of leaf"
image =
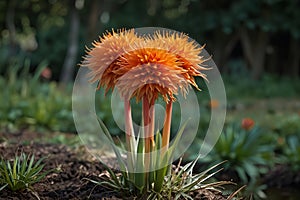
(181, 183)
(164, 182)
(21, 173)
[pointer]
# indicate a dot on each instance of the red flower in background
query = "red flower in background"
(247, 123)
(46, 73)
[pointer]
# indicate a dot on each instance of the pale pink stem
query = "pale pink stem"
(129, 133)
(167, 126)
(128, 121)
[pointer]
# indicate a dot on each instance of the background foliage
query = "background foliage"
(246, 36)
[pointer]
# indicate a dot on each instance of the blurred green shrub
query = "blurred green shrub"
(269, 86)
(104, 111)
(249, 153)
(288, 125)
(29, 102)
(291, 152)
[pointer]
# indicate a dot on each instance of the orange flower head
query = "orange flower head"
(102, 58)
(247, 124)
(145, 66)
(187, 52)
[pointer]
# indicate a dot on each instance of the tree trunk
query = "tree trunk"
(223, 46)
(10, 17)
(254, 49)
(93, 29)
(97, 7)
(70, 59)
(294, 58)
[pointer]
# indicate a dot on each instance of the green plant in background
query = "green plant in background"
(104, 111)
(255, 191)
(28, 102)
(291, 153)
(288, 125)
(22, 173)
(125, 61)
(247, 150)
(269, 86)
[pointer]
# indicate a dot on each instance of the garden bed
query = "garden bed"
(75, 165)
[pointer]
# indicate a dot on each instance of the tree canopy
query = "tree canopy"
(245, 36)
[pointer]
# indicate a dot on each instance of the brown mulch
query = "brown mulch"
(75, 166)
(67, 183)
(282, 176)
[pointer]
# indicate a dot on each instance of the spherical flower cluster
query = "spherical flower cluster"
(145, 66)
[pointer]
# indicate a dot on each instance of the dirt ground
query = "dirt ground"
(75, 167)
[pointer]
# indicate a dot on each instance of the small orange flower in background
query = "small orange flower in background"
(214, 104)
(280, 140)
(248, 123)
(149, 66)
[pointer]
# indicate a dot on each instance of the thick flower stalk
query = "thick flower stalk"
(145, 68)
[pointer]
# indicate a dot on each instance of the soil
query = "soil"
(282, 176)
(75, 166)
